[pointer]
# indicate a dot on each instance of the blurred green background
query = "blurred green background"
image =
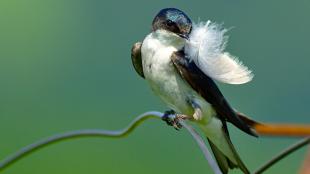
(65, 65)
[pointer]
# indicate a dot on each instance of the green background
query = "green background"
(65, 65)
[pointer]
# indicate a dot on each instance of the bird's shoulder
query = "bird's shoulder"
(136, 58)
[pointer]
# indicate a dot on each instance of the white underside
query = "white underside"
(162, 76)
(166, 82)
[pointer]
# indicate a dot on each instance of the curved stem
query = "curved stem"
(203, 148)
(104, 133)
(124, 132)
(77, 134)
(283, 154)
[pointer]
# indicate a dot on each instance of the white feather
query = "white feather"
(206, 46)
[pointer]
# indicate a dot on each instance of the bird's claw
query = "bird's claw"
(173, 119)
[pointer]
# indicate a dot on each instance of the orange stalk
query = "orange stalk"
(288, 130)
(277, 129)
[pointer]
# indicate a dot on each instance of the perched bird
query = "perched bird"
(180, 60)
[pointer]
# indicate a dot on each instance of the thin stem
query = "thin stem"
(104, 133)
(77, 134)
(203, 148)
(283, 154)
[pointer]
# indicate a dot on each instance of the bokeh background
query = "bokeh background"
(65, 65)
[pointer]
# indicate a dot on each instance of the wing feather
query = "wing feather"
(207, 88)
(137, 59)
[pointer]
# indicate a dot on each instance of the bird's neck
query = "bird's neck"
(169, 39)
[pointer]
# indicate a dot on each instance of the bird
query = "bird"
(181, 60)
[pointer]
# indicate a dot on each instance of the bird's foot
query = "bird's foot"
(173, 119)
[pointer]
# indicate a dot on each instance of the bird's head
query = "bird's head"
(173, 20)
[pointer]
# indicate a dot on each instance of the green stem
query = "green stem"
(124, 132)
(203, 148)
(283, 154)
(77, 134)
(104, 133)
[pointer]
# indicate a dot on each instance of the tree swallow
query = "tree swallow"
(179, 60)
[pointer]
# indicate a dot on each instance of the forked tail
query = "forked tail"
(224, 162)
(222, 147)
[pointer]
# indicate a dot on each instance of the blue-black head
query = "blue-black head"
(173, 20)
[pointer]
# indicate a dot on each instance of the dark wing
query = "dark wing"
(207, 88)
(136, 58)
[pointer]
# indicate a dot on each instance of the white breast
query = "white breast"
(160, 73)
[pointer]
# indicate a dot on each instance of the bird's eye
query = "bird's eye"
(169, 23)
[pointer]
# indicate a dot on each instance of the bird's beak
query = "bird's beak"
(184, 36)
